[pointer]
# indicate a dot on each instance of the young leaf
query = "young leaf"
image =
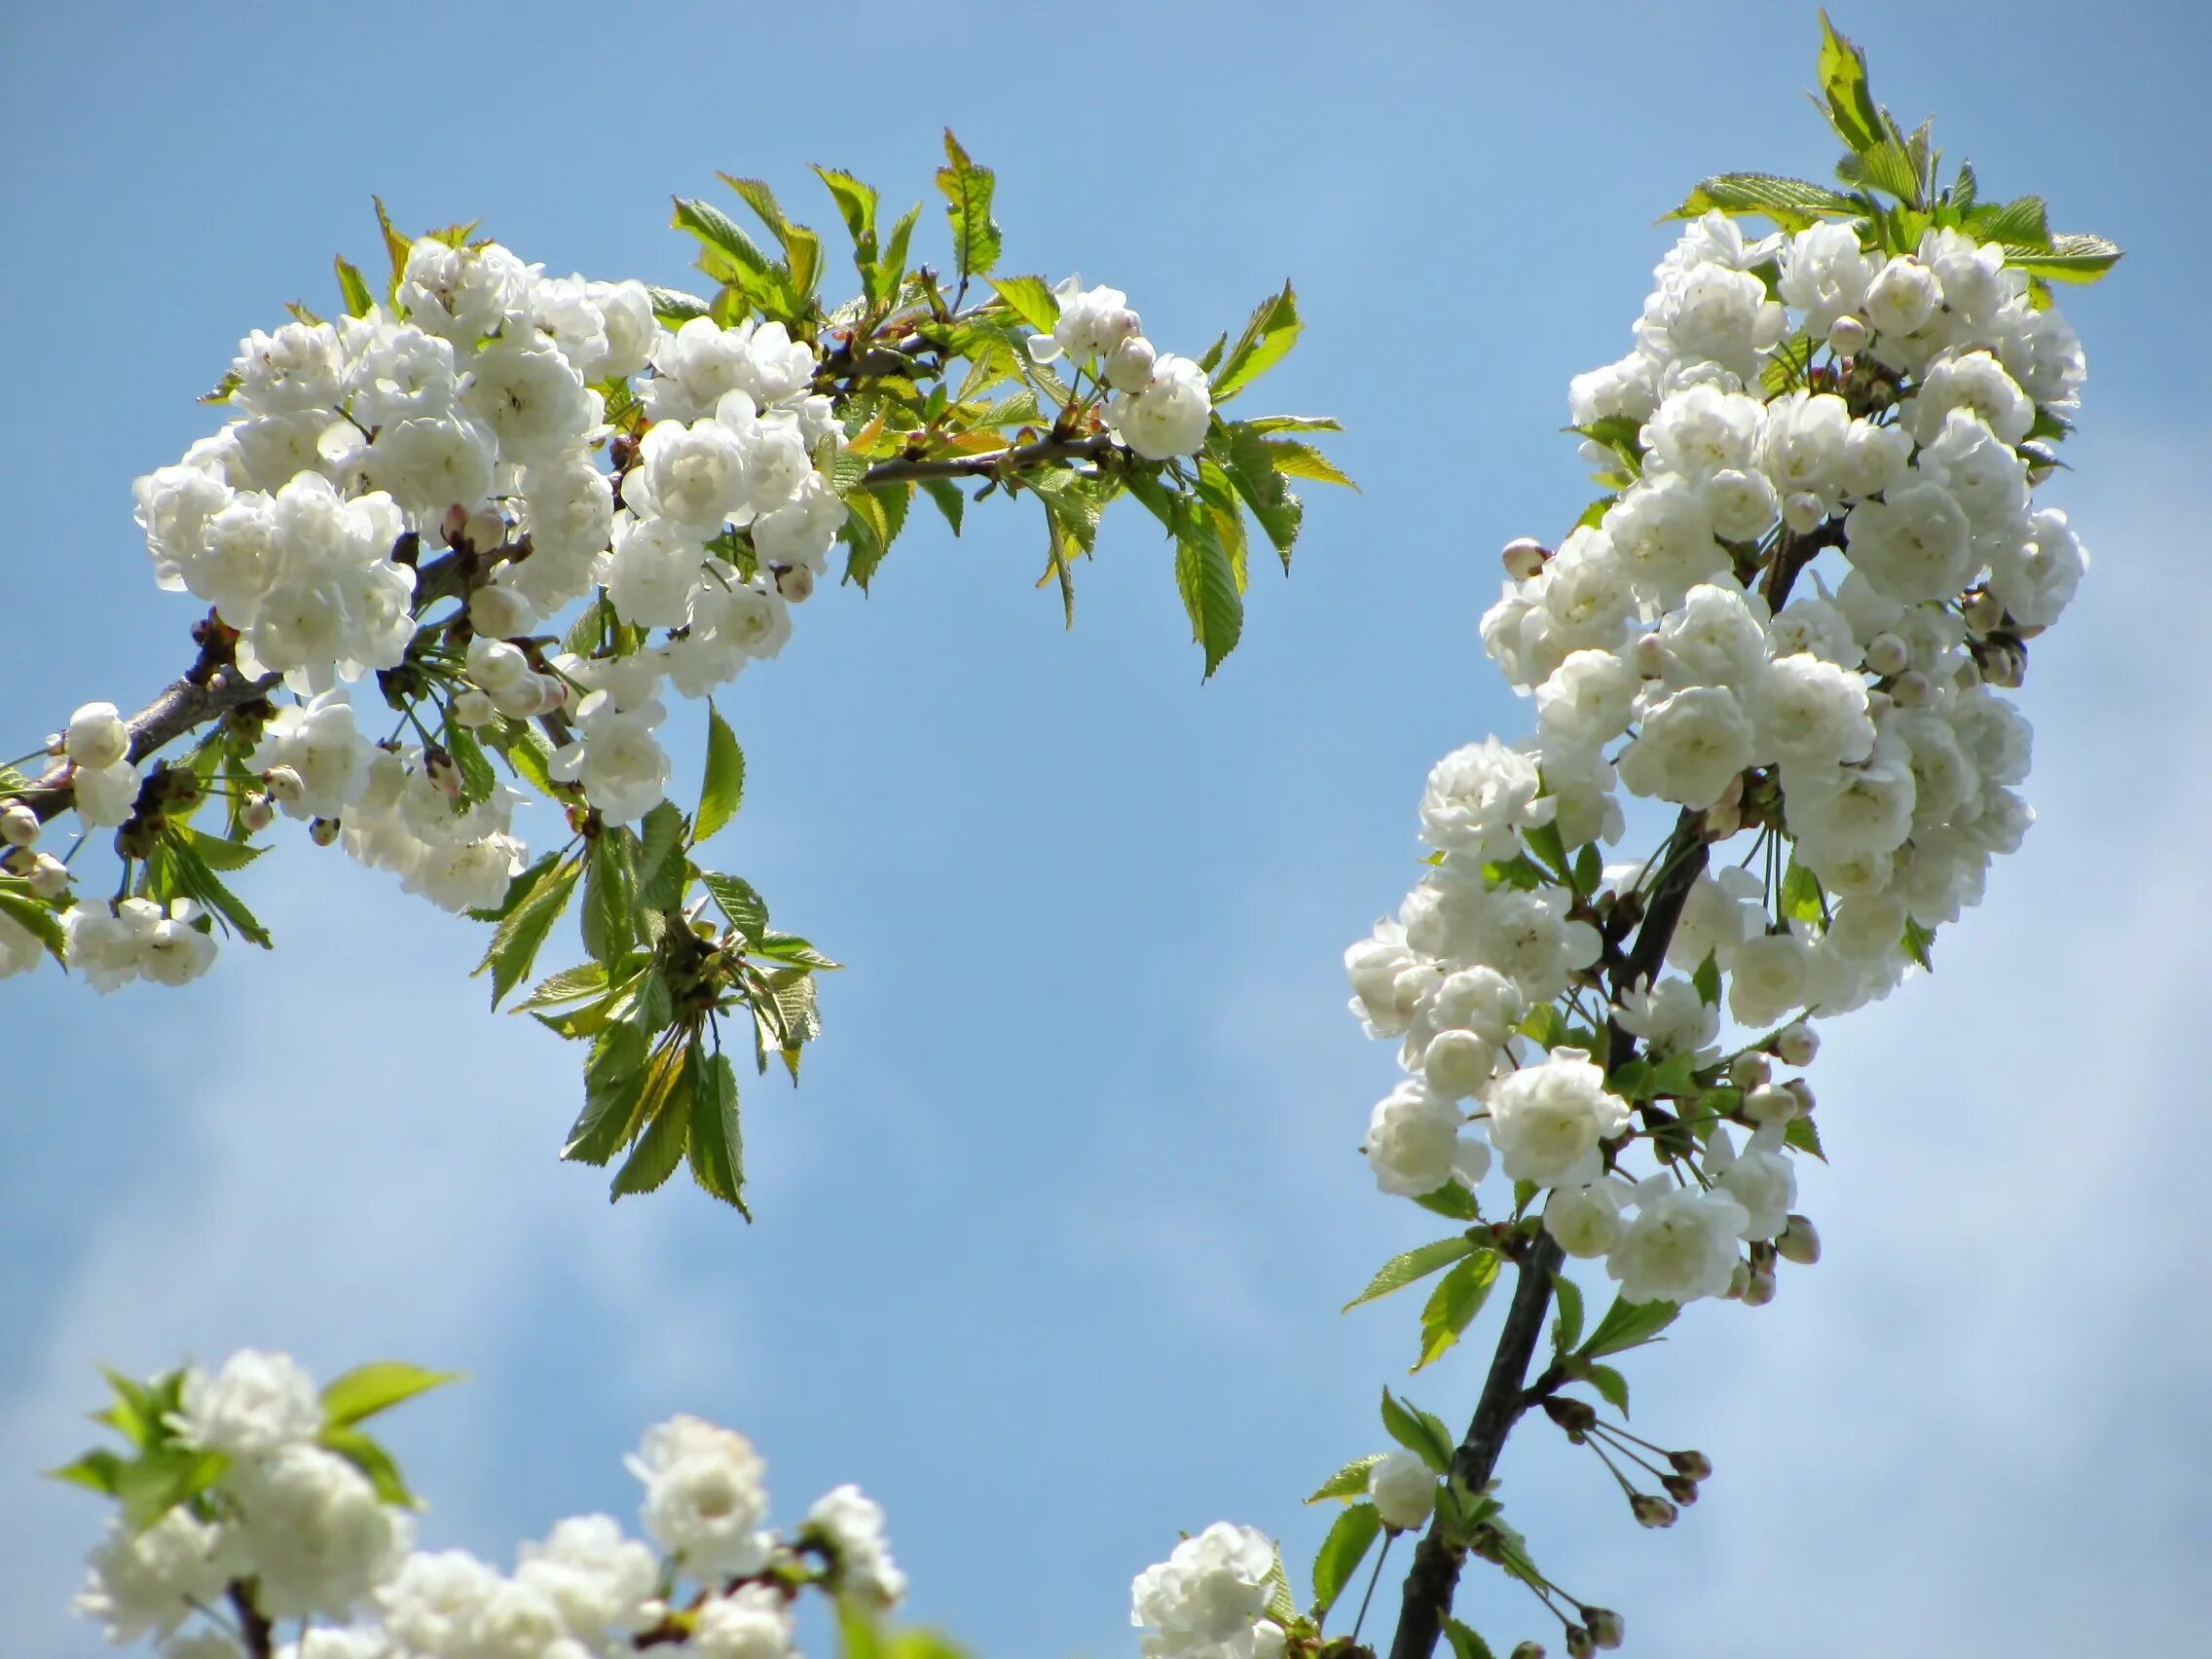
(98, 1470)
(374, 1461)
(1030, 299)
(1268, 337)
(1850, 106)
(1451, 1306)
(1791, 203)
(660, 857)
(610, 895)
(1465, 1643)
(359, 302)
(736, 899)
(665, 1106)
(377, 1386)
(717, 1153)
(967, 189)
(1627, 1325)
(1408, 1265)
(724, 786)
(515, 946)
(1612, 1385)
(1418, 1431)
(1341, 1553)
(1566, 1329)
(1208, 586)
(614, 1082)
(1349, 1482)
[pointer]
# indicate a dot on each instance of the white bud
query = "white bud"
(96, 738)
(1796, 1044)
(443, 774)
(1403, 1490)
(1798, 1243)
(49, 876)
(1887, 654)
(1803, 1090)
(472, 708)
(1770, 1104)
(499, 611)
(1984, 612)
(1803, 511)
(1748, 1071)
(256, 812)
(1723, 821)
(1847, 336)
(552, 694)
(1128, 366)
(1760, 1291)
(1525, 557)
(485, 529)
(19, 825)
(1648, 656)
(285, 787)
(1910, 690)
(794, 582)
(1739, 1281)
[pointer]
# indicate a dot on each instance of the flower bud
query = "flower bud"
(1769, 1103)
(499, 611)
(1983, 610)
(1580, 1644)
(1721, 821)
(794, 582)
(19, 825)
(1652, 1511)
(455, 526)
(1648, 656)
(1691, 1465)
(1847, 336)
(1798, 1086)
(1403, 1491)
(1796, 1042)
(1887, 654)
(49, 876)
(1749, 1071)
(1525, 557)
(1760, 1290)
(1680, 1488)
(1798, 1243)
(485, 529)
(552, 694)
(1128, 366)
(1910, 690)
(1576, 1416)
(256, 812)
(323, 830)
(96, 738)
(1605, 1627)
(472, 708)
(1738, 1279)
(1528, 1650)
(444, 775)
(285, 787)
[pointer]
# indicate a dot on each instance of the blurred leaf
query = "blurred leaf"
(374, 1461)
(377, 1386)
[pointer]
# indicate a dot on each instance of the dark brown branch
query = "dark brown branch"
(1044, 450)
(259, 1633)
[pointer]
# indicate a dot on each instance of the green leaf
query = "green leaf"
(374, 1461)
(791, 948)
(1208, 586)
(1341, 1553)
(856, 204)
(1454, 1200)
(216, 852)
(1451, 1306)
(1349, 1482)
(1791, 203)
(724, 786)
(948, 499)
(660, 857)
(377, 1386)
(98, 1470)
(665, 1108)
(610, 895)
(737, 899)
(1418, 1431)
(716, 1149)
(614, 1081)
(1707, 979)
(1266, 423)
(36, 920)
(1293, 460)
(1628, 1325)
(519, 888)
(1886, 166)
(477, 779)
(396, 246)
(674, 308)
(1800, 898)
(1250, 467)
(569, 984)
(1408, 1265)
(890, 272)
(1031, 299)
(2072, 258)
(1465, 1643)
(515, 946)
(1267, 338)
(1612, 1385)
(1800, 1133)
(1920, 942)
(729, 255)
(197, 881)
(967, 189)
(152, 1484)
(2024, 221)
(1850, 106)
(359, 302)
(1567, 1328)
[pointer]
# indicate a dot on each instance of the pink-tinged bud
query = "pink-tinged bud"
(19, 825)
(1796, 1044)
(49, 876)
(1847, 336)
(444, 775)
(1605, 1627)
(1983, 610)
(256, 812)
(1910, 690)
(795, 582)
(1524, 557)
(485, 529)
(323, 830)
(285, 787)
(1803, 512)
(1760, 1291)
(1652, 1511)
(455, 526)
(1691, 1465)
(1723, 821)
(1798, 1086)
(1648, 657)
(1738, 1279)
(1769, 1103)
(552, 694)
(1749, 1071)
(1680, 1488)
(1580, 1644)
(1798, 1243)
(1887, 654)
(472, 708)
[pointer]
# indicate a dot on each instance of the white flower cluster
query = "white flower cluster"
(1159, 404)
(1208, 1598)
(1798, 617)
(301, 1530)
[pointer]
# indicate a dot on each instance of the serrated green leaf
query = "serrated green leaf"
(1791, 203)
(1031, 299)
(1349, 1482)
(1800, 899)
(614, 1079)
(967, 189)
(610, 914)
(723, 788)
(856, 204)
(2024, 221)
(674, 308)
(377, 1386)
(664, 1107)
(1293, 460)
(195, 880)
(660, 857)
(738, 901)
(1566, 1326)
(715, 1147)
(1453, 1200)
(36, 918)
(515, 946)
(155, 1483)
(2071, 258)
(1707, 979)
(477, 779)
(1341, 1553)
(1627, 1325)
(569, 984)
(1410, 1266)
(1418, 1431)
(1886, 166)
(1269, 336)
(890, 273)
(1800, 1133)
(1207, 583)
(948, 499)
(396, 247)
(1249, 463)
(1465, 1643)
(1849, 104)
(1612, 1385)
(729, 255)
(353, 288)
(1451, 1306)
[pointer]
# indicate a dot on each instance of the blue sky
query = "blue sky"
(1053, 1236)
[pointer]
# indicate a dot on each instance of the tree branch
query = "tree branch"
(1046, 449)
